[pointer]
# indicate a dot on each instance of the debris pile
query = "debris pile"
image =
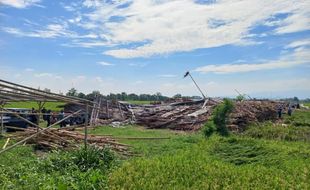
(184, 114)
(189, 115)
(61, 138)
(246, 112)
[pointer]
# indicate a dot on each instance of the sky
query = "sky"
(257, 47)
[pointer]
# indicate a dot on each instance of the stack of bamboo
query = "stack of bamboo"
(178, 117)
(62, 138)
(247, 112)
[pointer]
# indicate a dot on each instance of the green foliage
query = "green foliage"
(252, 164)
(184, 161)
(72, 92)
(278, 132)
(139, 102)
(77, 169)
(220, 116)
(83, 159)
(148, 148)
(54, 106)
(209, 128)
(300, 118)
(244, 151)
(240, 97)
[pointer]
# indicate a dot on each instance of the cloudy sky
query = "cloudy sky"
(259, 47)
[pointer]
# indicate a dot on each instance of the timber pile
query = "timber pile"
(181, 116)
(61, 138)
(247, 112)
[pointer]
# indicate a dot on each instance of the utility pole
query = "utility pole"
(242, 94)
(188, 74)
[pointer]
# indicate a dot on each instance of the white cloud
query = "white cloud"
(159, 27)
(19, 3)
(39, 75)
(103, 63)
(164, 27)
(298, 21)
(298, 57)
(86, 44)
(299, 43)
(51, 31)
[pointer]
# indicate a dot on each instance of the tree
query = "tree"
(81, 95)
(92, 96)
(220, 116)
(72, 92)
(177, 96)
(296, 99)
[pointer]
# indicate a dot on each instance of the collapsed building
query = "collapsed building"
(185, 115)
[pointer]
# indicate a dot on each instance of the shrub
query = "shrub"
(220, 116)
(82, 159)
(209, 128)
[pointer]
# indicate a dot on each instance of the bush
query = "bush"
(220, 116)
(209, 128)
(73, 169)
(82, 159)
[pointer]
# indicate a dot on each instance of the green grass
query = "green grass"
(139, 102)
(307, 104)
(266, 156)
(299, 118)
(279, 132)
(54, 106)
(212, 164)
(148, 148)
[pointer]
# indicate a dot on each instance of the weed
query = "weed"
(209, 128)
(220, 116)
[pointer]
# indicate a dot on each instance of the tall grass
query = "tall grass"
(279, 132)
(78, 169)
(214, 165)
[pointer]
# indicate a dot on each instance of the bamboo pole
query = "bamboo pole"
(197, 86)
(42, 91)
(2, 125)
(6, 143)
(85, 128)
(34, 135)
(46, 95)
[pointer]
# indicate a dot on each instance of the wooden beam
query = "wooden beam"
(39, 132)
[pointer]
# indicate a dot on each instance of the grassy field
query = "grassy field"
(139, 102)
(266, 156)
(307, 104)
(54, 106)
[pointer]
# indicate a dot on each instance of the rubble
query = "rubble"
(189, 115)
(250, 111)
(184, 114)
(62, 138)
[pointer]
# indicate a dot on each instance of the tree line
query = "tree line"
(124, 96)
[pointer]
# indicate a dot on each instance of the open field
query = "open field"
(138, 102)
(54, 106)
(274, 157)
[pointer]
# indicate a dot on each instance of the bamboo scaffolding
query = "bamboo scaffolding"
(37, 133)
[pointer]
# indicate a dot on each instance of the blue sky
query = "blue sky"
(258, 47)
